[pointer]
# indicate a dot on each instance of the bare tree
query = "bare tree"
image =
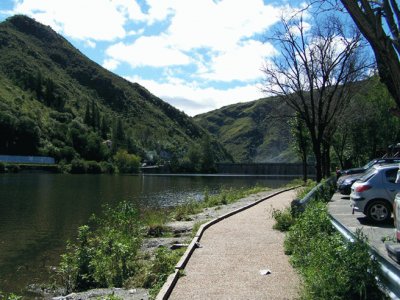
(315, 74)
(369, 17)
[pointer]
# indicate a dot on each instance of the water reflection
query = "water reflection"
(39, 212)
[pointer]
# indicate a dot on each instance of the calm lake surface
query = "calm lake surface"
(40, 212)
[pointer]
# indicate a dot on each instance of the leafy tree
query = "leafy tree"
(94, 148)
(366, 128)
(88, 116)
(126, 163)
(119, 136)
(315, 76)
(194, 157)
(207, 156)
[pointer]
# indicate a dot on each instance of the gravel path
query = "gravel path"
(232, 254)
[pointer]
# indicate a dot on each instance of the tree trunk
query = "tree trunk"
(304, 162)
(370, 25)
(316, 144)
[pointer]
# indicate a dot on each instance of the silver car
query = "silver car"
(373, 194)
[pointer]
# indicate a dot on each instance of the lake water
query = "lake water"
(40, 212)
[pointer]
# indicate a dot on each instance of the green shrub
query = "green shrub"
(312, 223)
(107, 167)
(127, 163)
(104, 254)
(331, 267)
(155, 222)
(284, 219)
(155, 272)
(78, 166)
(2, 167)
(11, 296)
(305, 189)
(93, 167)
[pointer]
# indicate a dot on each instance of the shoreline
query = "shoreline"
(181, 236)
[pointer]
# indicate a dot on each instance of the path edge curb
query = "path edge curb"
(169, 285)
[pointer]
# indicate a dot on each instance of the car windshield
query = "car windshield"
(368, 174)
(370, 164)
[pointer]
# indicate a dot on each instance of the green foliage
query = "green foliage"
(284, 219)
(11, 296)
(226, 196)
(105, 254)
(250, 132)
(78, 166)
(126, 163)
(107, 167)
(109, 297)
(54, 101)
(2, 167)
(93, 167)
(183, 211)
(331, 267)
(155, 272)
(305, 189)
(155, 222)
(361, 137)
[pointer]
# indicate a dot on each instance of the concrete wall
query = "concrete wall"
(19, 159)
(281, 169)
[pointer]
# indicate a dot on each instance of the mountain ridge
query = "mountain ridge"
(254, 131)
(41, 71)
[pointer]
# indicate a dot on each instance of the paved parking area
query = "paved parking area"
(340, 209)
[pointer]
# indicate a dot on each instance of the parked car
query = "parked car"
(386, 160)
(373, 194)
(345, 182)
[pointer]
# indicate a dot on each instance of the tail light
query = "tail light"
(362, 188)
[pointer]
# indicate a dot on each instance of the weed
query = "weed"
(154, 273)
(183, 211)
(331, 267)
(284, 219)
(9, 296)
(104, 255)
(155, 221)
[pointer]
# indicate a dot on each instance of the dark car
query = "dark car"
(345, 182)
(386, 160)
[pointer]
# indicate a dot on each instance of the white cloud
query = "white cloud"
(221, 28)
(110, 64)
(100, 20)
(148, 51)
(242, 63)
(219, 25)
(90, 44)
(195, 100)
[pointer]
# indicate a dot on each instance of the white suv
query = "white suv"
(373, 194)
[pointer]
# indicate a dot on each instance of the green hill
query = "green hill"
(255, 131)
(55, 101)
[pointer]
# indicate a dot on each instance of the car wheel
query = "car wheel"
(379, 211)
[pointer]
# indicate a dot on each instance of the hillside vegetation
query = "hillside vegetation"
(255, 131)
(55, 101)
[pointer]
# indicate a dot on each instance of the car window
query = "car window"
(368, 174)
(369, 164)
(391, 175)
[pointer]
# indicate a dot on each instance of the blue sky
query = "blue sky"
(198, 55)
